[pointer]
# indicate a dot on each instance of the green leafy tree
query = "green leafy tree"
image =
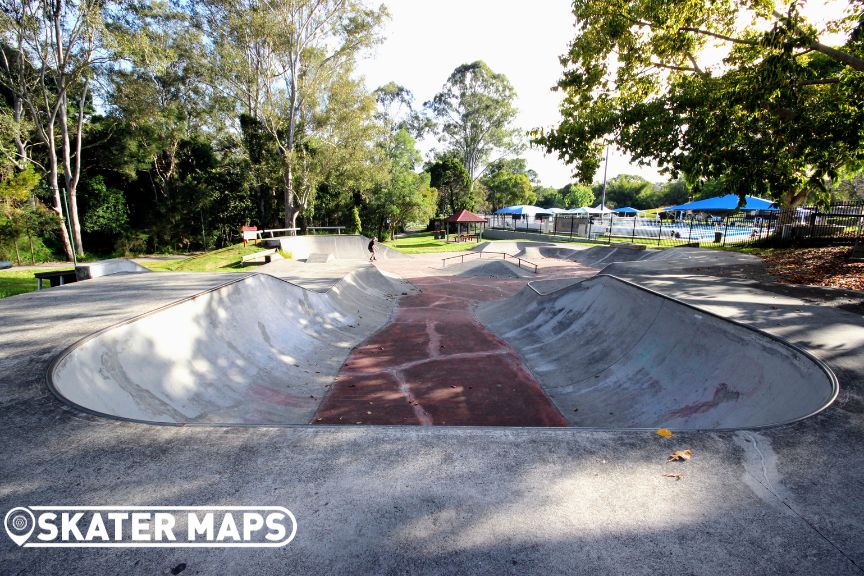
(669, 194)
(782, 112)
(277, 62)
(451, 179)
(548, 197)
(624, 190)
(578, 195)
(17, 216)
(507, 183)
(848, 186)
(475, 114)
(162, 93)
(56, 50)
(405, 196)
(344, 153)
(396, 110)
(356, 225)
(107, 210)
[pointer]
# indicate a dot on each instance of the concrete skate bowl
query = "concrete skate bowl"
(596, 256)
(614, 355)
(681, 259)
(257, 350)
(341, 247)
(485, 268)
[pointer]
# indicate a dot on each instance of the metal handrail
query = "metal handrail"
(277, 230)
(480, 255)
(337, 228)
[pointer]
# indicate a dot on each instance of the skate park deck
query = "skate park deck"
(444, 500)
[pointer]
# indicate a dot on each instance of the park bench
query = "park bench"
(55, 277)
(265, 254)
(468, 237)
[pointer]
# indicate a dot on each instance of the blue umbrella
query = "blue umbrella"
(523, 209)
(626, 210)
(728, 203)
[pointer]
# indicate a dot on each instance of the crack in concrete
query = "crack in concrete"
(766, 483)
(413, 363)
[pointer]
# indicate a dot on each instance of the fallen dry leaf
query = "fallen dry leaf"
(664, 432)
(675, 476)
(681, 455)
(827, 266)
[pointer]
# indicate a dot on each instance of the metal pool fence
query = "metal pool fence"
(840, 224)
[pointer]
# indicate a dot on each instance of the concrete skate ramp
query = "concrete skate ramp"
(595, 256)
(498, 269)
(682, 258)
(602, 256)
(257, 350)
(342, 247)
(611, 354)
(515, 248)
(320, 258)
(92, 270)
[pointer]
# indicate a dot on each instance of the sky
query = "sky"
(425, 41)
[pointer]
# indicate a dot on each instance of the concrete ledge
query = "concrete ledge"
(92, 270)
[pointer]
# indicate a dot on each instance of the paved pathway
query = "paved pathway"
(444, 500)
(435, 364)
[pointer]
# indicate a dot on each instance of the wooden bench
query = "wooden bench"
(468, 237)
(55, 277)
(265, 254)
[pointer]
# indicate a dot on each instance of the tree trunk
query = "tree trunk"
(58, 201)
(71, 174)
(291, 210)
(792, 199)
(17, 254)
(32, 256)
(295, 212)
(76, 222)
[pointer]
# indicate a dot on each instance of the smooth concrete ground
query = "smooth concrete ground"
(414, 500)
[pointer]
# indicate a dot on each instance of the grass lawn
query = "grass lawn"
(14, 282)
(425, 243)
(222, 260)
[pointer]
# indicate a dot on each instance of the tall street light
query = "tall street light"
(605, 169)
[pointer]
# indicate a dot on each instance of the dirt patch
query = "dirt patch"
(827, 266)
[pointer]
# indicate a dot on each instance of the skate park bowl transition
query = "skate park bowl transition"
(611, 354)
(225, 356)
(342, 247)
(258, 350)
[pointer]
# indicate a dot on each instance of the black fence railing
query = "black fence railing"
(840, 224)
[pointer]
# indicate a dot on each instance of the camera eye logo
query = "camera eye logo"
(150, 526)
(19, 524)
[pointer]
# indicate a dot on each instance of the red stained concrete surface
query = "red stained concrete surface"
(434, 364)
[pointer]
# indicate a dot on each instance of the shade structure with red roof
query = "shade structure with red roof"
(464, 217)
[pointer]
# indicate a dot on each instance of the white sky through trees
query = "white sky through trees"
(425, 41)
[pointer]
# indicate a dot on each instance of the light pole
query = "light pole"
(605, 169)
(603, 197)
